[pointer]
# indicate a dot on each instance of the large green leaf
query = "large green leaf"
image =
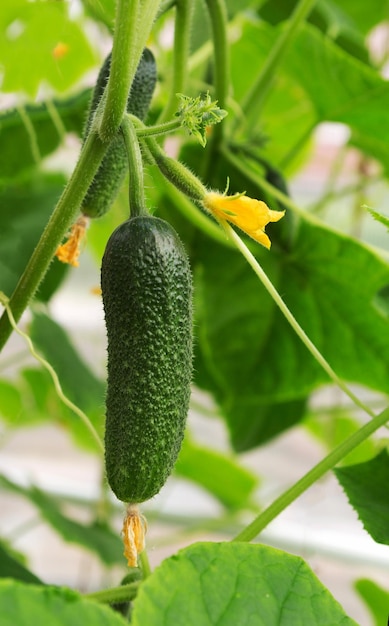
(250, 351)
(345, 22)
(24, 605)
(220, 474)
(343, 90)
(288, 114)
(95, 537)
(227, 584)
(35, 128)
(40, 43)
(25, 209)
(333, 86)
(366, 486)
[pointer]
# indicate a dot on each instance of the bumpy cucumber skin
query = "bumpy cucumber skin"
(147, 294)
(110, 175)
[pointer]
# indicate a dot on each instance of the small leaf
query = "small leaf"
(78, 382)
(11, 406)
(379, 217)
(10, 567)
(95, 537)
(23, 605)
(376, 598)
(215, 584)
(198, 113)
(366, 486)
(331, 430)
(220, 474)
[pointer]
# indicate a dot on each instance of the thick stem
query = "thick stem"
(62, 217)
(135, 163)
(134, 20)
(123, 67)
(255, 99)
(326, 464)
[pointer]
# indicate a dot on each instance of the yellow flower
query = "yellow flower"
(248, 214)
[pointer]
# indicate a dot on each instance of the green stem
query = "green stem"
(291, 319)
(123, 67)
(175, 171)
(62, 217)
(115, 594)
(135, 163)
(145, 564)
(159, 129)
(133, 23)
(326, 464)
(221, 69)
(255, 99)
(30, 130)
(180, 55)
(221, 66)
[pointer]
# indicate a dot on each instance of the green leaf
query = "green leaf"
(25, 209)
(29, 604)
(40, 43)
(288, 114)
(10, 567)
(342, 89)
(333, 86)
(77, 380)
(251, 352)
(332, 429)
(95, 537)
(330, 18)
(364, 16)
(376, 598)
(102, 11)
(383, 219)
(226, 584)
(34, 128)
(366, 487)
(11, 406)
(220, 474)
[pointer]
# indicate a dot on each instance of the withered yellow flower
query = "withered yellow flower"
(70, 250)
(248, 214)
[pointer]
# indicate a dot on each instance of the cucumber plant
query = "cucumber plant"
(281, 303)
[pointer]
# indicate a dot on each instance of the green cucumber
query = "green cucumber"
(110, 175)
(147, 294)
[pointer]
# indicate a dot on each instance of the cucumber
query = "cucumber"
(110, 175)
(147, 294)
